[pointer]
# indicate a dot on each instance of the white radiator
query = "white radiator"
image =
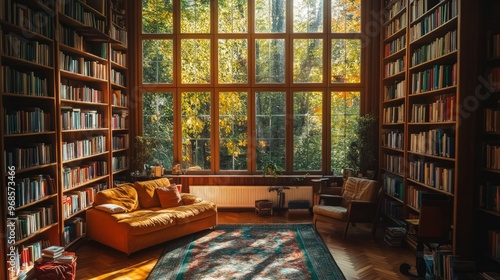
(245, 196)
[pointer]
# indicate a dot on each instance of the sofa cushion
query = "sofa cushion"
(111, 208)
(188, 213)
(188, 199)
(148, 197)
(124, 196)
(144, 221)
(169, 196)
(335, 212)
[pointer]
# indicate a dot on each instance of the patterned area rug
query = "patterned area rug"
(248, 251)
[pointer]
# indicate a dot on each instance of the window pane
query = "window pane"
(157, 16)
(270, 128)
(346, 61)
(233, 130)
(307, 130)
(158, 125)
(157, 61)
(346, 16)
(344, 111)
(308, 61)
(233, 61)
(307, 16)
(196, 122)
(195, 56)
(270, 16)
(270, 61)
(195, 16)
(233, 16)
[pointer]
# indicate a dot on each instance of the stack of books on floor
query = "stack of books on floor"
(394, 236)
(57, 254)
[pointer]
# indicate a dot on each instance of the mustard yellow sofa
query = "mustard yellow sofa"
(134, 216)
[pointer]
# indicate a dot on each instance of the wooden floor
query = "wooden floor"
(358, 256)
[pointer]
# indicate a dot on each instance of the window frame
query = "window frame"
(327, 87)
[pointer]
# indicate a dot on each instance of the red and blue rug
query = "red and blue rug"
(248, 251)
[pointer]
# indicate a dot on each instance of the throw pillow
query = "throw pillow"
(148, 197)
(169, 196)
(111, 208)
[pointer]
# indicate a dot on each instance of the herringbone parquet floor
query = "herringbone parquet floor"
(359, 257)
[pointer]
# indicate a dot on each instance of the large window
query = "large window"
(243, 83)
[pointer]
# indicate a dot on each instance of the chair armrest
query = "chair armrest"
(330, 199)
(330, 190)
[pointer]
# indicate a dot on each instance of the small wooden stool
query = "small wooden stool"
(263, 207)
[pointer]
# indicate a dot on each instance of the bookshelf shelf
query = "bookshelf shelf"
(437, 32)
(444, 59)
(36, 234)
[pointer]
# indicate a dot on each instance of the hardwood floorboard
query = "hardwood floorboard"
(359, 257)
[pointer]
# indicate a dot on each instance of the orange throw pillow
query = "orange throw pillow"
(169, 196)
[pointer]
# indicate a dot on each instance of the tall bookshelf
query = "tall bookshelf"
(59, 101)
(426, 139)
(30, 141)
(488, 188)
(119, 91)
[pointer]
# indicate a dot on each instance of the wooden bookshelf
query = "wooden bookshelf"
(58, 98)
(425, 140)
(488, 188)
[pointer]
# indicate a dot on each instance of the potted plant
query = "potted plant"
(362, 151)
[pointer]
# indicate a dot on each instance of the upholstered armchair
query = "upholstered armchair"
(359, 202)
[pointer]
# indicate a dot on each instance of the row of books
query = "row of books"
(396, 90)
(494, 78)
(439, 47)
(394, 114)
(493, 43)
(120, 163)
(37, 21)
(393, 186)
(78, 12)
(33, 188)
(436, 142)
(83, 148)
(35, 155)
(78, 175)
(29, 120)
(394, 164)
(395, 25)
(118, 34)
(119, 57)
(492, 120)
(397, 7)
(80, 65)
(75, 201)
(437, 77)
(82, 93)
(395, 46)
(431, 174)
(119, 98)
(33, 51)
(119, 120)
(120, 142)
(80, 119)
(489, 196)
(414, 197)
(434, 20)
(69, 37)
(395, 67)
(24, 258)
(74, 228)
(118, 78)
(393, 139)
(29, 222)
(24, 82)
(494, 242)
(393, 209)
(420, 7)
(492, 155)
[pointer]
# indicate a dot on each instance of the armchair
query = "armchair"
(359, 202)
